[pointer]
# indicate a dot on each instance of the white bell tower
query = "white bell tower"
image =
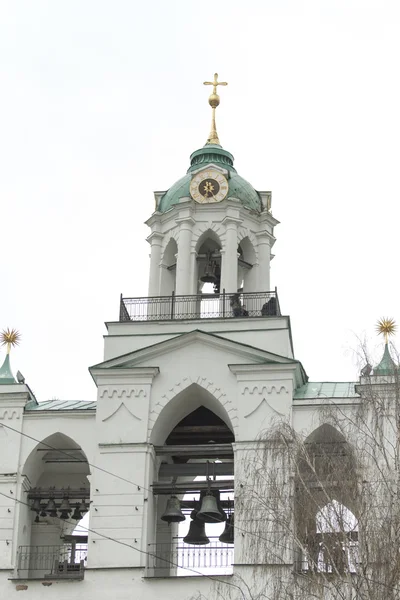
(211, 226)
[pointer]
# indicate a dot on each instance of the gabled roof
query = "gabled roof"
(143, 356)
(179, 341)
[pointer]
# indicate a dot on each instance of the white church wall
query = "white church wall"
(271, 333)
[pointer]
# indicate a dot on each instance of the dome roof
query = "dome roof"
(212, 154)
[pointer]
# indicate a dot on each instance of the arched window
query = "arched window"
(194, 457)
(325, 496)
(58, 499)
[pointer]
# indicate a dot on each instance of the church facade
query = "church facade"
(168, 459)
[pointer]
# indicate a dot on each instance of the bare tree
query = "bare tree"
(317, 516)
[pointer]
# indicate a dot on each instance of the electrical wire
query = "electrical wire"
(252, 533)
(151, 554)
(74, 458)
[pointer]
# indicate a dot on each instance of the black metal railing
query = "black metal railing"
(179, 559)
(65, 562)
(200, 306)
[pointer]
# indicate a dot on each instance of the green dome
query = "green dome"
(212, 154)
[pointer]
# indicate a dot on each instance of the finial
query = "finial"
(9, 337)
(386, 327)
(214, 102)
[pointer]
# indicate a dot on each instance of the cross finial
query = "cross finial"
(214, 102)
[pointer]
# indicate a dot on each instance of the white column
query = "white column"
(183, 263)
(229, 272)
(155, 240)
(264, 259)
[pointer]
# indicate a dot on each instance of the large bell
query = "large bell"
(173, 513)
(209, 275)
(196, 536)
(210, 512)
(228, 535)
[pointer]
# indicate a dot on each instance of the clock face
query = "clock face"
(209, 186)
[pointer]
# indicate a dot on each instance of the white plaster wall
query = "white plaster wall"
(270, 333)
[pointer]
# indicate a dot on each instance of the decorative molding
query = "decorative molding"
(265, 389)
(173, 234)
(243, 233)
(258, 406)
(209, 226)
(123, 393)
(206, 384)
(119, 408)
(10, 413)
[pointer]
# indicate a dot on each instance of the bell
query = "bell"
(196, 535)
(51, 508)
(210, 512)
(36, 505)
(76, 515)
(173, 513)
(83, 507)
(65, 508)
(209, 273)
(228, 535)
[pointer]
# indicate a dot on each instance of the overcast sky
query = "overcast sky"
(102, 102)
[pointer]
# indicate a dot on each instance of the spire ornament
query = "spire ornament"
(213, 101)
(386, 327)
(9, 338)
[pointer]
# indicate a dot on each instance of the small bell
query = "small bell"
(65, 508)
(51, 508)
(196, 535)
(83, 507)
(76, 515)
(173, 512)
(228, 535)
(36, 505)
(210, 512)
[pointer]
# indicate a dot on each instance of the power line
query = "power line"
(151, 554)
(74, 458)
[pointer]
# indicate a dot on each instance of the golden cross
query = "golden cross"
(214, 102)
(215, 83)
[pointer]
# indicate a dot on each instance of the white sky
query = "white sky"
(102, 102)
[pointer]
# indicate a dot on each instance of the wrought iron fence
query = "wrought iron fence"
(65, 561)
(200, 306)
(179, 559)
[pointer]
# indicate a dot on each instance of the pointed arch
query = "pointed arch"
(184, 398)
(57, 448)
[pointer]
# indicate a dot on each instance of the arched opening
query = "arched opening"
(326, 503)
(246, 262)
(168, 269)
(208, 262)
(58, 499)
(194, 459)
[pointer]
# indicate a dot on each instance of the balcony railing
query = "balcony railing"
(176, 559)
(201, 306)
(61, 562)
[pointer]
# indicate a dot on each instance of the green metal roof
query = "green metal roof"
(387, 365)
(326, 389)
(6, 376)
(61, 405)
(212, 154)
